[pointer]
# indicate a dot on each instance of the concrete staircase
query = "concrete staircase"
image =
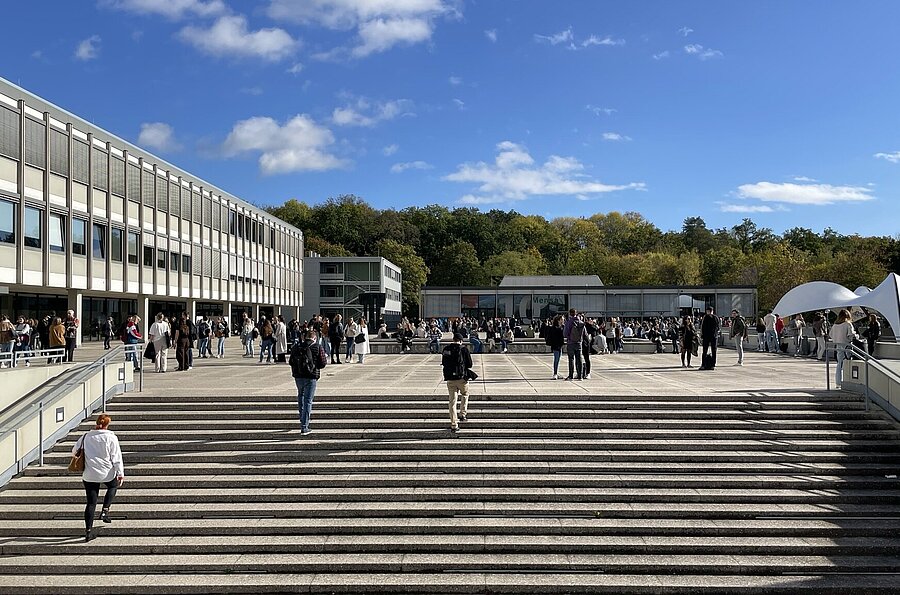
(788, 493)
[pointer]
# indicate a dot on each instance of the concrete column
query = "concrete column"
(192, 310)
(75, 303)
(143, 310)
(254, 312)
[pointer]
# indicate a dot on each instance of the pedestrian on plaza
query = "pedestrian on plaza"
(160, 333)
(456, 362)
(587, 342)
(842, 334)
(761, 335)
(573, 331)
(336, 335)
(183, 343)
(688, 340)
(71, 323)
(266, 340)
(56, 338)
(7, 339)
(247, 331)
(108, 330)
(506, 337)
(872, 333)
(351, 329)
(820, 332)
(553, 337)
(204, 335)
(710, 327)
(280, 339)
(220, 332)
(434, 339)
(361, 341)
(306, 360)
(102, 465)
(797, 325)
(771, 322)
(22, 348)
(738, 334)
(132, 336)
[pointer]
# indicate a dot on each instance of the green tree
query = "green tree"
(696, 236)
(457, 265)
(346, 220)
(722, 266)
(324, 247)
(413, 268)
(528, 262)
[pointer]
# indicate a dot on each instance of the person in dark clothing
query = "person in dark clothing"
(872, 333)
(307, 358)
(709, 334)
(573, 331)
(587, 341)
(335, 336)
(456, 362)
(688, 335)
(553, 336)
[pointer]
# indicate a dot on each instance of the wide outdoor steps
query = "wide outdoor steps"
(779, 492)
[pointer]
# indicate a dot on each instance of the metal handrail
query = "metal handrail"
(867, 358)
(18, 414)
(50, 353)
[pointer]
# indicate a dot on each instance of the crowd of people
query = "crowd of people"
(22, 339)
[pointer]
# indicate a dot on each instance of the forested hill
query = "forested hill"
(435, 245)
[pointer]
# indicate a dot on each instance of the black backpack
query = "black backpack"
(576, 334)
(303, 363)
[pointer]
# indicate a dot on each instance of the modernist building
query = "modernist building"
(544, 296)
(91, 222)
(341, 284)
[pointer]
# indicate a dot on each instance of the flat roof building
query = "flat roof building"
(341, 284)
(90, 222)
(544, 296)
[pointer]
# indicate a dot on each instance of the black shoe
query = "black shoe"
(463, 418)
(104, 516)
(454, 430)
(88, 536)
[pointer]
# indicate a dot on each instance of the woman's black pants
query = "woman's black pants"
(92, 490)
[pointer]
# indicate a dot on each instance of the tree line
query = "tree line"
(438, 246)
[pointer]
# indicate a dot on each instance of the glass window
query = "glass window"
(9, 133)
(161, 256)
(7, 222)
(185, 263)
(175, 261)
(357, 271)
(132, 247)
(32, 230)
(115, 244)
(98, 241)
(331, 268)
(148, 256)
(57, 239)
(231, 222)
(79, 233)
(240, 226)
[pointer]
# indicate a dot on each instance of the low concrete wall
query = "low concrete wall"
(883, 389)
(18, 382)
(385, 346)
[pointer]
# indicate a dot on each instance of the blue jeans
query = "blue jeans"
(133, 356)
(504, 344)
(434, 346)
(203, 347)
(220, 350)
(265, 347)
(476, 344)
(557, 354)
(306, 391)
(840, 354)
(772, 341)
(350, 345)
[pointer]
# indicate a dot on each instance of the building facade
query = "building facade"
(92, 223)
(545, 298)
(336, 284)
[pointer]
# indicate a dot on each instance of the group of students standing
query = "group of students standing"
(27, 336)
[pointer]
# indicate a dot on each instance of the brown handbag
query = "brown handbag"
(76, 464)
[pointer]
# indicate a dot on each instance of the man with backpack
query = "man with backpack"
(738, 334)
(573, 331)
(456, 362)
(709, 335)
(307, 358)
(203, 332)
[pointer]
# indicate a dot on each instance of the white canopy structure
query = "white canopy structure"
(823, 295)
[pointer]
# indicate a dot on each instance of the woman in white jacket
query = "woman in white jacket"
(280, 338)
(843, 334)
(102, 465)
(362, 349)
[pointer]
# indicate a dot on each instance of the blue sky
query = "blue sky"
(783, 111)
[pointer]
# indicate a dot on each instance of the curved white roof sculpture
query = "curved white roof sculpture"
(824, 295)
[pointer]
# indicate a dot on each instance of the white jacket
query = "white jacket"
(102, 456)
(362, 348)
(843, 333)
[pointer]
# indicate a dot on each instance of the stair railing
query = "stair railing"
(854, 352)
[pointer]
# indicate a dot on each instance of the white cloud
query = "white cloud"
(615, 137)
(892, 157)
(455, 80)
(804, 179)
(390, 150)
(364, 112)
(805, 194)
(380, 24)
(252, 91)
(695, 49)
(514, 176)
(662, 55)
(399, 168)
(567, 38)
(299, 145)
(172, 9)
(594, 40)
(297, 68)
(459, 103)
(159, 136)
(229, 36)
(600, 111)
(491, 34)
(88, 49)
(37, 54)
(732, 208)
(685, 31)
